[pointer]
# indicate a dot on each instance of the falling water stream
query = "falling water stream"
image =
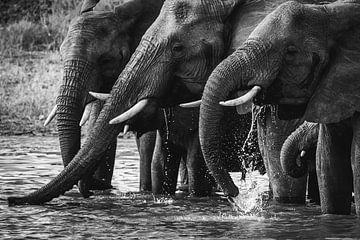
(27, 163)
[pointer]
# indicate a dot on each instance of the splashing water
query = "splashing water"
(252, 198)
(163, 200)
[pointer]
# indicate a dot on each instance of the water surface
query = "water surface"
(26, 163)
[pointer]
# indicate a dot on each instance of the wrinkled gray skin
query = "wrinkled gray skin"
(297, 156)
(145, 143)
(165, 57)
(303, 139)
(109, 64)
(286, 189)
(179, 139)
(94, 52)
(301, 55)
(272, 129)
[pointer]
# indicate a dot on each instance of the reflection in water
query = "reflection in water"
(26, 163)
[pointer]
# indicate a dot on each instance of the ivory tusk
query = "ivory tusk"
(193, 104)
(126, 129)
(243, 99)
(303, 153)
(100, 96)
(51, 116)
(86, 115)
(138, 107)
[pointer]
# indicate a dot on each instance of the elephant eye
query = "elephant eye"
(105, 60)
(291, 50)
(177, 49)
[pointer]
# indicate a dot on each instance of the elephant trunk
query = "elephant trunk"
(83, 162)
(293, 151)
(132, 85)
(70, 103)
(234, 73)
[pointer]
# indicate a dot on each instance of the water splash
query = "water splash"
(252, 198)
(163, 200)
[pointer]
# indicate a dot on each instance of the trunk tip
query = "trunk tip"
(12, 201)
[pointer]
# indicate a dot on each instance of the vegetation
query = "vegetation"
(30, 70)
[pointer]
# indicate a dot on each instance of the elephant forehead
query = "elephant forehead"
(283, 19)
(99, 25)
(193, 10)
(181, 11)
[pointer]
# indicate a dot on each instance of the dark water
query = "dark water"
(26, 163)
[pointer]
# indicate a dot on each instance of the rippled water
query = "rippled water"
(26, 163)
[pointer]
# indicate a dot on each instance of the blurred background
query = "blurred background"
(31, 33)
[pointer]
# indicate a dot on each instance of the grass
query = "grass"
(30, 67)
(28, 88)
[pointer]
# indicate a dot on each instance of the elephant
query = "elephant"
(273, 126)
(178, 140)
(274, 121)
(297, 156)
(164, 58)
(303, 56)
(145, 141)
(97, 47)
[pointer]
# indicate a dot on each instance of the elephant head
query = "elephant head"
(180, 48)
(96, 49)
(300, 54)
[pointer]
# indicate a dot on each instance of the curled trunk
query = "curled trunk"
(70, 102)
(293, 154)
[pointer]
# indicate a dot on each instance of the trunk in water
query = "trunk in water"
(230, 75)
(82, 164)
(86, 159)
(131, 86)
(70, 103)
(302, 139)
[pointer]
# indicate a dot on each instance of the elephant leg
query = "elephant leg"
(146, 144)
(334, 168)
(313, 187)
(171, 167)
(184, 183)
(266, 162)
(355, 161)
(100, 178)
(105, 170)
(165, 166)
(200, 181)
(157, 166)
(272, 133)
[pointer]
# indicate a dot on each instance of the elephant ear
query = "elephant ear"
(88, 5)
(337, 96)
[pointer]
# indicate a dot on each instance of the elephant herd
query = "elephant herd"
(291, 70)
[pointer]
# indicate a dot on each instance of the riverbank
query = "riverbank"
(30, 64)
(29, 82)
